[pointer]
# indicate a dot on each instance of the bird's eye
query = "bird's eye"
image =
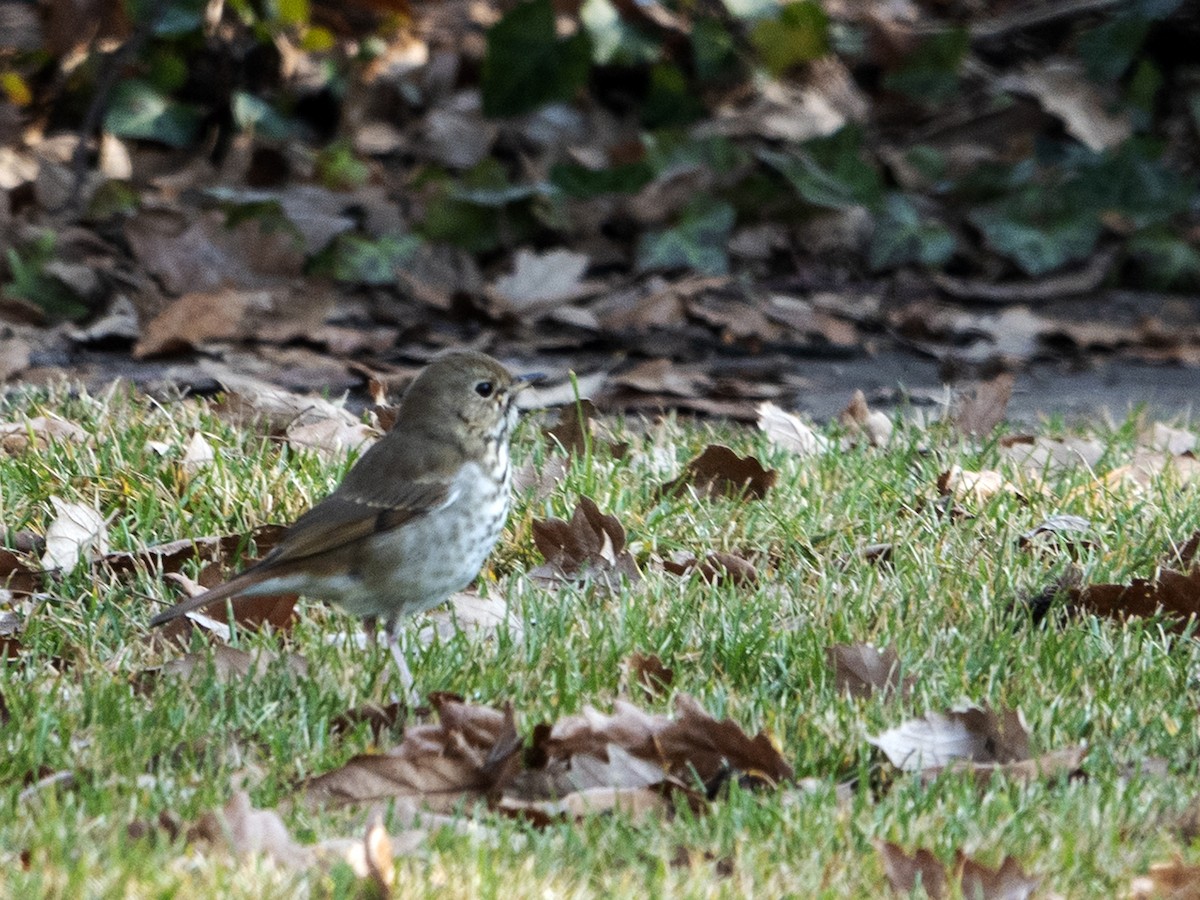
(485, 389)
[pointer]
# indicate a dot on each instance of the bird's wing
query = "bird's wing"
(344, 517)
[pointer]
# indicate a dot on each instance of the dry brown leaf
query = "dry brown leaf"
(378, 718)
(541, 281)
(648, 674)
(1009, 882)
(862, 670)
(1065, 91)
(940, 739)
(859, 418)
(468, 613)
(1148, 466)
(1175, 880)
(1175, 596)
(1044, 455)
(662, 376)
(965, 485)
(1173, 441)
(39, 433)
(636, 803)
(591, 543)
(905, 873)
(77, 531)
(980, 408)
(692, 744)
(574, 427)
(16, 576)
(719, 471)
(470, 754)
(973, 879)
(245, 831)
(228, 664)
(1062, 530)
(333, 437)
(1049, 767)
(186, 252)
(716, 568)
(788, 431)
(540, 480)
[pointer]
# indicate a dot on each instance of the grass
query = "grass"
(756, 654)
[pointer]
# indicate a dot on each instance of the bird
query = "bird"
(417, 515)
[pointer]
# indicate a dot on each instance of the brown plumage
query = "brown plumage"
(417, 515)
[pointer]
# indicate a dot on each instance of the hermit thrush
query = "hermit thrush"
(417, 515)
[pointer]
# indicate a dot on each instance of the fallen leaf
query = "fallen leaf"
(906, 873)
(540, 282)
(1065, 91)
(591, 543)
(719, 471)
(573, 430)
(787, 430)
(965, 485)
(197, 454)
(690, 745)
(39, 433)
(973, 879)
(663, 376)
(379, 719)
(716, 568)
(77, 531)
(246, 831)
(228, 664)
(172, 556)
(858, 418)
(1060, 530)
(648, 673)
(333, 437)
(862, 670)
(1175, 880)
(980, 408)
(16, 576)
(1175, 596)
(1149, 466)
(469, 754)
(1173, 441)
(1044, 456)
(939, 739)
(480, 617)
(1009, 882)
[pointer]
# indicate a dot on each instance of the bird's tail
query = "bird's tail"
(230, 588)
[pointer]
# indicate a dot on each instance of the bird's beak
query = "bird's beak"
(527, 380)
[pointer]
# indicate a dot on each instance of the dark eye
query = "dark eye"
(485, 388)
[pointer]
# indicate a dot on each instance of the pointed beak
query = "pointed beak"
(529, 379)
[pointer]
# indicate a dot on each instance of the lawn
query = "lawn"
(101, 762)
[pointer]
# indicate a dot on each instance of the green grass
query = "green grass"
(756, 654)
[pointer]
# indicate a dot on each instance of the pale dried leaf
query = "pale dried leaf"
(939, 739)
(39, 432)
(77, 532)
(788, 431)
(1064, 90)
(540, 282)
(859, 418)
(1174, 441)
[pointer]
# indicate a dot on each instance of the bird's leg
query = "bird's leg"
(371, 628)
(410, 695)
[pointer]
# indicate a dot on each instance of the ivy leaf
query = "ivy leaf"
(698, 242)
(356, 259)
(525, 64)
(930, 73)
(1166, 260)
(800, 34)
(140, 111)
(901, 236)
(1038, 241)
(829, 172)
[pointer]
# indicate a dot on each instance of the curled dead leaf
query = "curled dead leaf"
(591, 543)
(719, 471)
